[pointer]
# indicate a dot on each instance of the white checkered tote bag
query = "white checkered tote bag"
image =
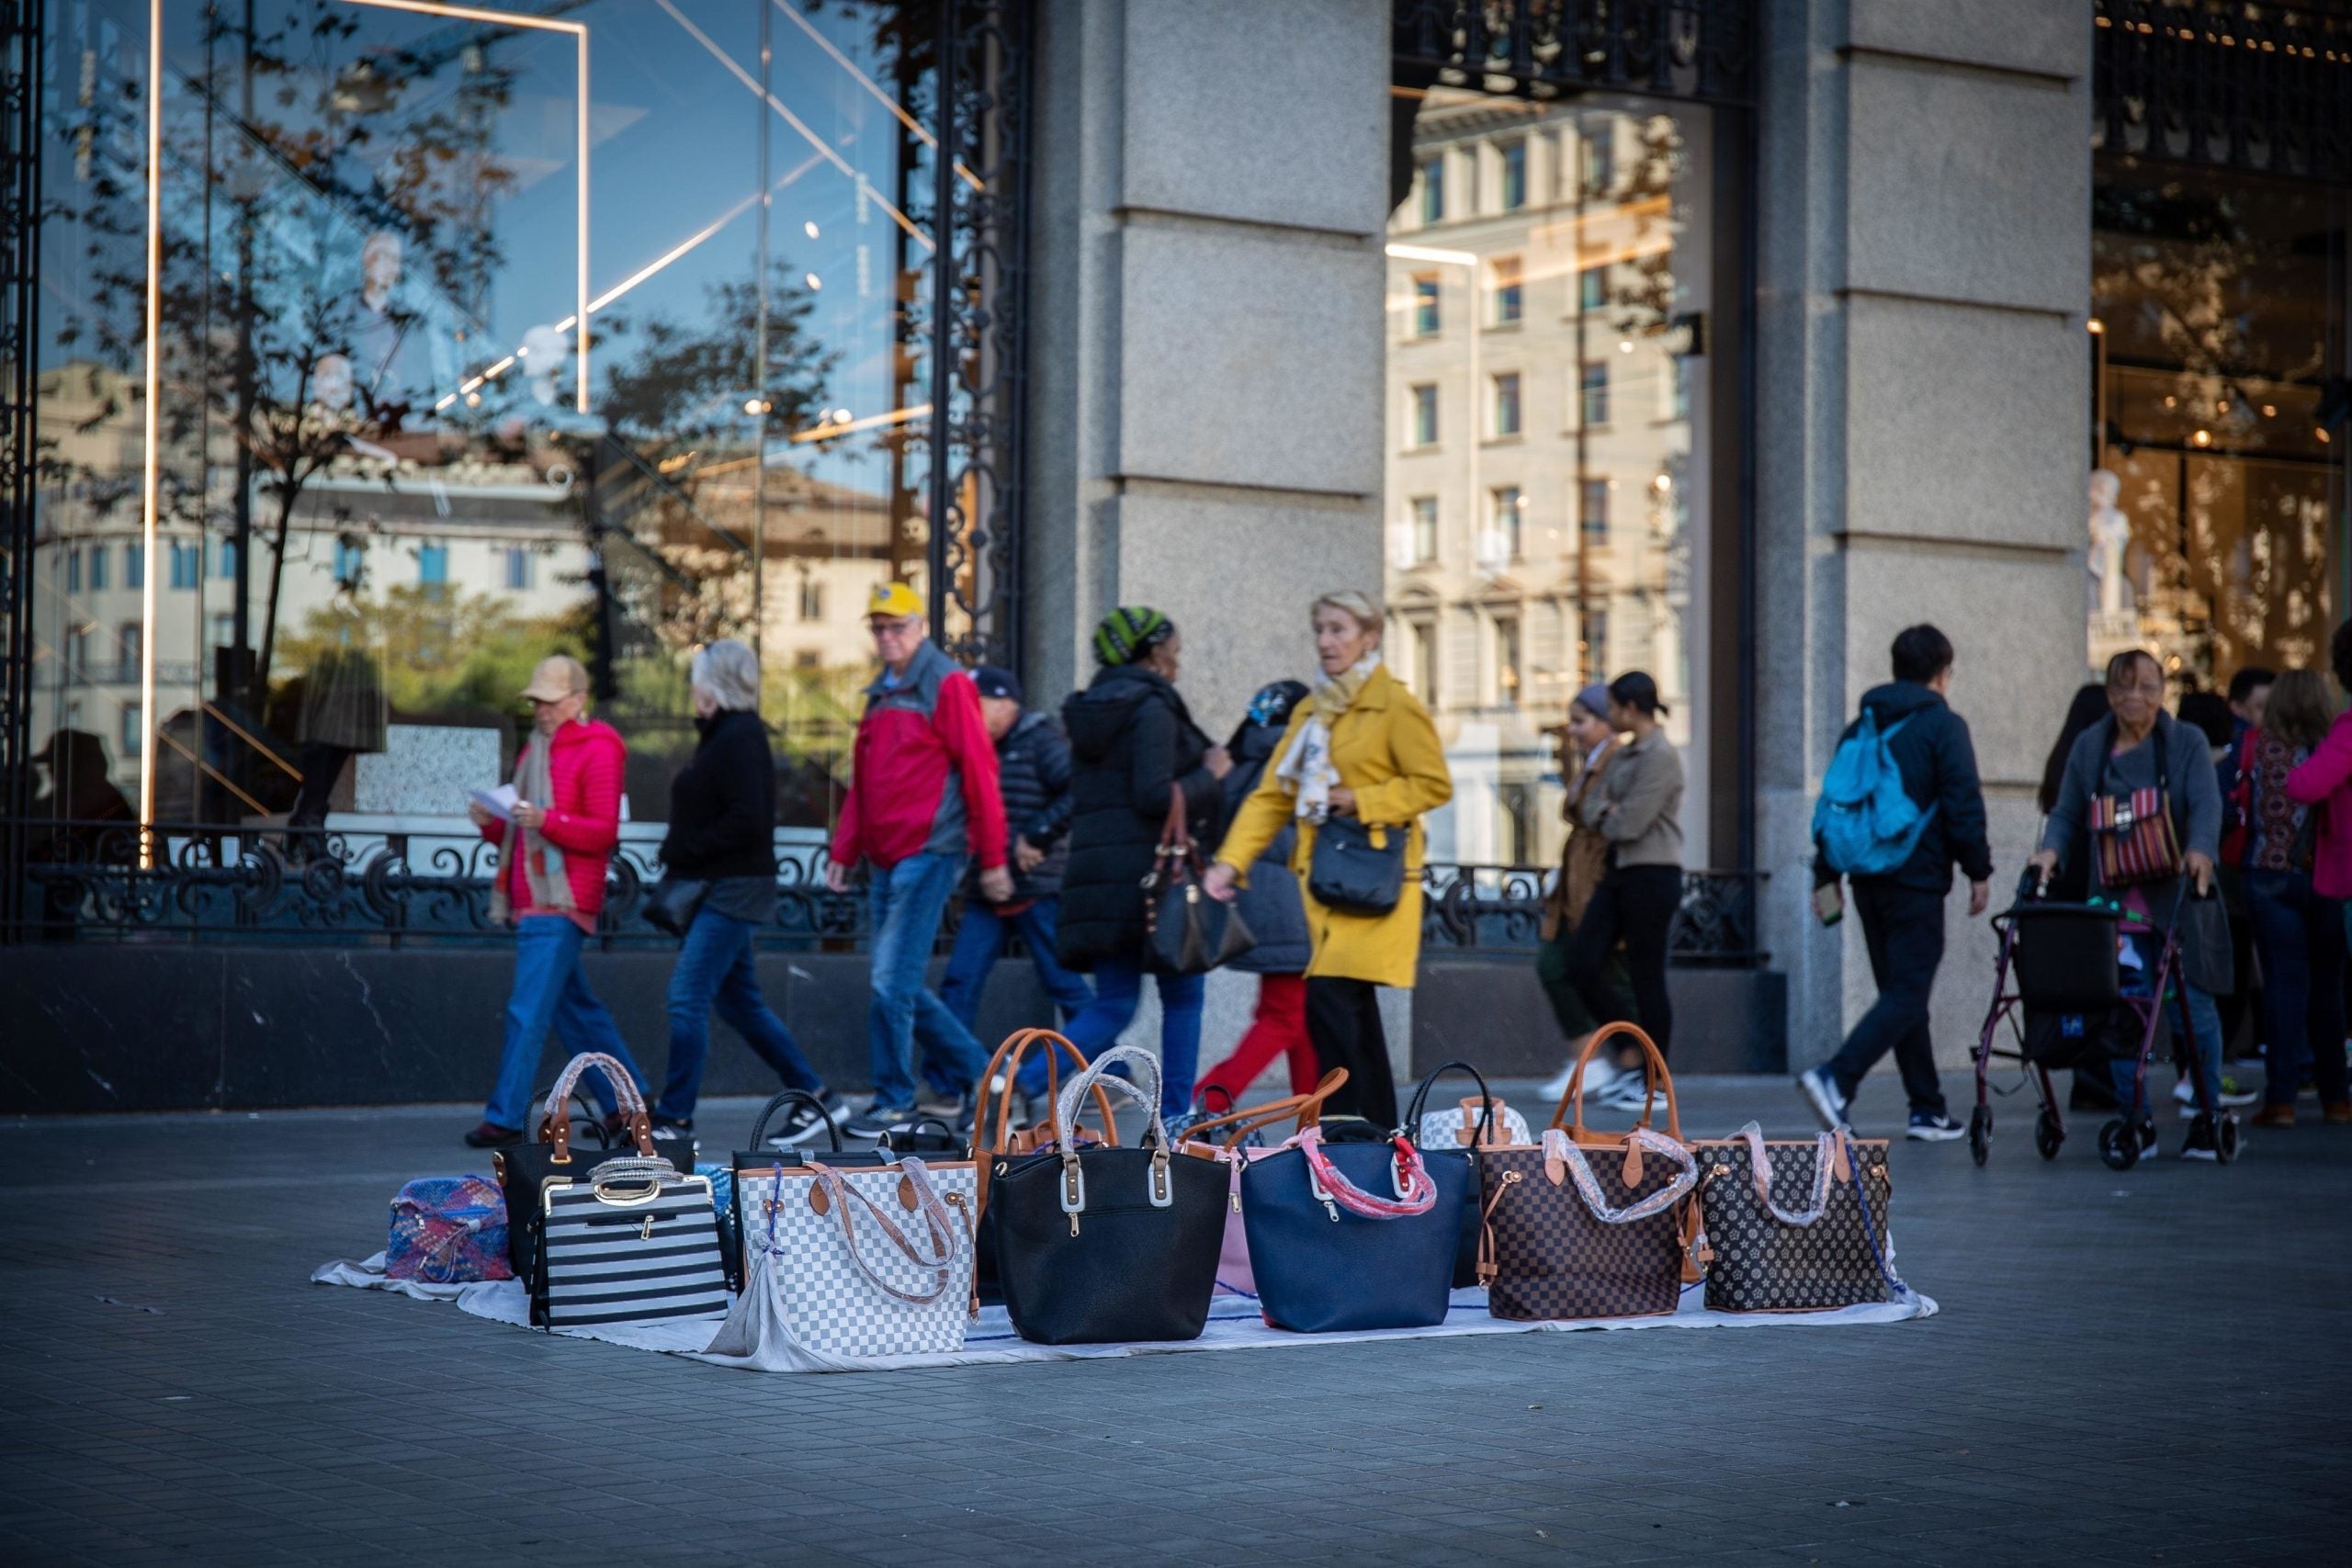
(845, 1265)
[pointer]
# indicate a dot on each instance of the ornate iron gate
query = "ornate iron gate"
(2264, 87)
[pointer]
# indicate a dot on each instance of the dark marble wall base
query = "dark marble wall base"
(1492, 1013)
(134, 1027)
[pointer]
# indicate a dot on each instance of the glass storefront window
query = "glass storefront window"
(603, 331)
(2217, 516)
(1568, 298)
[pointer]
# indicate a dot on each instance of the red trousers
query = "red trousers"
(1279, 1029)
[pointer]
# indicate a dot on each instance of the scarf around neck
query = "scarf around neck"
(1308, 770)
(542, 862)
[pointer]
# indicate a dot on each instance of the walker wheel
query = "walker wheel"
(2047, 1133)
(2119, 1145)
(2226, 1138)
(1979, 1132)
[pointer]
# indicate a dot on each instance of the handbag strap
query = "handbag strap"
(1903, 1292)
(1415, 1193)
(1560, 1151)
(1412, 1123)
(841, 1198)
(1307, 1109)
(1828, 1151)
(794, 1097)
(1143, 1088)
(993, 1136)
(632, 1171)
(1570, 1112)
(555, 1124)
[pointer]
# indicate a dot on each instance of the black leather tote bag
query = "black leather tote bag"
(1099, 1245)
(1357, 869)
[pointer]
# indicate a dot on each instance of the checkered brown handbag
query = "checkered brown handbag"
(1787, 1226)
(1583, 1224)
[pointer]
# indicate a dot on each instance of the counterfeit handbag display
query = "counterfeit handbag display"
(1590, 1225)
(1481, 1121)
(1796, 1226)
(757, 1155)
(1356, 1235)
(632, 1242)
(994, 1136)
(1096, 1244)
(1237, 1138)
(526, 1170)
(848, 1262)
(447, 1230)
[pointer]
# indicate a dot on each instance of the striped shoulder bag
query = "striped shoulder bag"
(634, 1243)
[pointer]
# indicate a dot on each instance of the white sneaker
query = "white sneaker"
(1599, 1076)
(1627, 1094)
(1821, 1092)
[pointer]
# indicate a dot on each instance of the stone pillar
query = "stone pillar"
(1209, 205)
(1922, 424)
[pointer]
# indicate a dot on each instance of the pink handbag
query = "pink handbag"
(1241, 1145)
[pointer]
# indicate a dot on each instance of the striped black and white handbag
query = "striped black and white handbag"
(843, 1265)
(634, 1243)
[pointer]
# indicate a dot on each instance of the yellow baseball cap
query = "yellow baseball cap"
(893, 599)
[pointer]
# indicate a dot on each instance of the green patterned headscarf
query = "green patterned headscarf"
(1129, 632)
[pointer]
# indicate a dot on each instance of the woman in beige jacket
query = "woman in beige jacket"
(1637, 805)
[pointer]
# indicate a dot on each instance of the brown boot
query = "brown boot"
(2337, 1113)
(2275, 1115)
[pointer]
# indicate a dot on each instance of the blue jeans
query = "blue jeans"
(550, 990)
(715, 969)
(2299, 937)
(909, 900)
(1118, 990)
(2205, 1025)
(979, 942)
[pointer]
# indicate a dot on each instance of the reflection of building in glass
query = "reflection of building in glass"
(1543, 280)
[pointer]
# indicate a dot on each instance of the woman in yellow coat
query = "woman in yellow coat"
(1362, 746)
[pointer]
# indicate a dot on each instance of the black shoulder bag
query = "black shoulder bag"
(1357, 868)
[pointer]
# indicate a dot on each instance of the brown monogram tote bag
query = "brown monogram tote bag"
(1589, 1224)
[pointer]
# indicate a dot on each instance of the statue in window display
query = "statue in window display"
(2111, 540)
(545, 351)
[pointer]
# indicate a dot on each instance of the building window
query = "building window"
(224, 558)
(77, 654)
(134, 566)
(1681, 383)
(1509, 291)
(1592, 288)
(1515, 177)
(812, 599)
(187, 562)
(433, 566)
(1425, 415)
(1506, 660)
(1596, 642)
(1511, 514)
(99, 569)
(73, 570)
(225, 628)
(1600, 160)
(128, 641)
(1506, 405)
(350, 560)
(1433, 189)
(1425, 659)
(806, 659)
(1425, 306)
(1593, 511)
(522, 570)
(127, 735)
(1592, 395)
(1424, 529)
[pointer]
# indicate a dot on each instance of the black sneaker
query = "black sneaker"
(666, 1131)
(802, 1122)
(1933, 1127)
(939, 1103)
(876, 1119)
(2199, 1144)
(491, 1136)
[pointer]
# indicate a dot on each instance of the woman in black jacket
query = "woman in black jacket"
(722, 833)
(1131, 740)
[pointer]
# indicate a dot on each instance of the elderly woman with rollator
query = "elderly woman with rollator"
(1358, 768)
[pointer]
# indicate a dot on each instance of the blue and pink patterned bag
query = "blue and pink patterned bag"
(448, 1230)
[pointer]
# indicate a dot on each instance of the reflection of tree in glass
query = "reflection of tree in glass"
(293, 154)
(442, 652)
(689, 382)
(1641, 285)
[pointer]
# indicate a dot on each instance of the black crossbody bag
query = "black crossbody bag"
(1349, 872)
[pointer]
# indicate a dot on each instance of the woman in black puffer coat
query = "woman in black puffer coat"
(1131, 737)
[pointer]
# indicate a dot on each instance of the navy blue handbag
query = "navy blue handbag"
(1354, 1235)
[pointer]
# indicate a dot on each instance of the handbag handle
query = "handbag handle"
(555, 1125)
(1411, 1127)
(1561, 1157)
(1007, 1062)
(1176, 846)
(829, 1193)
(1257, 1118)
(636, 1179)
(794, 1097)
(1829, 1159)
(1415, 1193)
(1654, 1074)
(1144, 1090)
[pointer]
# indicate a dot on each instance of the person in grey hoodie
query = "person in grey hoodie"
(2139, 746)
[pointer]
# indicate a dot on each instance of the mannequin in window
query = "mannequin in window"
(2110, 537)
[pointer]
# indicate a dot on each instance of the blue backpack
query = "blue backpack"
(1865, 821)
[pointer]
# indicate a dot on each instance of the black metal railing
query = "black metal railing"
(2265, 86)
(108, 881)
(1700, 50)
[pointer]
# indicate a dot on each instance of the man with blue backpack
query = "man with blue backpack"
(1900, 806)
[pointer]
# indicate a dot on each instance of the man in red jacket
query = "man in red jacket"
(923, 799)
(552, 851)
